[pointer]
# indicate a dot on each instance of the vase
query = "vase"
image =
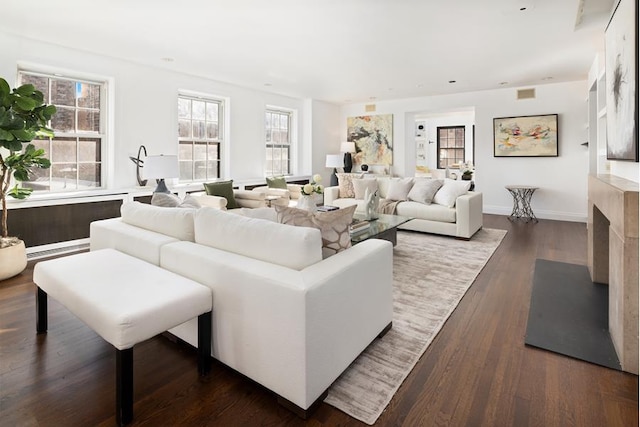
(307, 203)
(13, 260)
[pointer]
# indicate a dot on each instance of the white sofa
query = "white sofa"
(282, 315)
(254, 198)
(461, 221)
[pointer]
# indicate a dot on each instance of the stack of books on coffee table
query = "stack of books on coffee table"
(358, 226)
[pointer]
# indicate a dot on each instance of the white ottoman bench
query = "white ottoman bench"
(124, 300)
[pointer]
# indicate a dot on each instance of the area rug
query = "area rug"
(431, 274)
(569, 314)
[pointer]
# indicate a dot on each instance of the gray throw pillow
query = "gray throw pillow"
(399, 188)
(165, 200)
(423, 190)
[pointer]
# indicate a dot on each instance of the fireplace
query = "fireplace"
(613, 258)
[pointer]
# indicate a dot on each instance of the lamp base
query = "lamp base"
(348, 163)
(333, 179)
(162, 187)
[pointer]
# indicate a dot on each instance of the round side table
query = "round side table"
(522, 202)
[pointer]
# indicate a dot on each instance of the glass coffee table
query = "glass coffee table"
(385, 228)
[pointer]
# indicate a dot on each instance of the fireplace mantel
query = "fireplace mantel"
(612, 258)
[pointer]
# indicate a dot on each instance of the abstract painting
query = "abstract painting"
(622, 89)
(373, 136)
(526, 136)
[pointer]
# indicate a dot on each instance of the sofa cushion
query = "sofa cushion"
(383, 186)
(361, 185)
(276, 182)
(297, 247)
(432, 212)
(260, 213)
(399, 189)
(333, 225)
(172, 222)
(222, 189)
(168, 200)
(450, 191)
(345, 184)
(424, 189)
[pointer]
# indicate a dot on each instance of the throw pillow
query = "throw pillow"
(333, 225)
(345, 185)
(450, 191)
(424, 189)
(189, 202)
(399, 188)
(277, 182)
(361, 185)
(165, 200)
(222, 189)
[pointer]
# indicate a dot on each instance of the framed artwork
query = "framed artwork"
(526, 136)
(621, 76)
(373, 137)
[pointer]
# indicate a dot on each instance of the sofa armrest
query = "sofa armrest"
(331, 194)
(468, 214)
(216, 202)
(295, 191)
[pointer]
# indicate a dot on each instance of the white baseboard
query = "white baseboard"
(540, 214)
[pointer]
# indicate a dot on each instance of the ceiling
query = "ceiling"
(340, 51)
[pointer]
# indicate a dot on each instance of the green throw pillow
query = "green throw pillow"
(277, 182)
(222, 189)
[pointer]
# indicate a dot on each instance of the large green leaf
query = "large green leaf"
(26, 104)
(26, 90)
(4, 88)
(19, 193)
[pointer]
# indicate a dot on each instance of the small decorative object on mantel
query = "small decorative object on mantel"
(139, 165)
(306, 200)
(364, 167)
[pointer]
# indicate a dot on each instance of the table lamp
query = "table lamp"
(334, 161)
(159, 168)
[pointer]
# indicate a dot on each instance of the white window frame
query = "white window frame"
(269, 145)
(220, 141)
(106, 151)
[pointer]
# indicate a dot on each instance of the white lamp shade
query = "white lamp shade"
(160, 167)
(334, 161)
(348, 147)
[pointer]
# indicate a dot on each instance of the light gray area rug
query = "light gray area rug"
(431, 274)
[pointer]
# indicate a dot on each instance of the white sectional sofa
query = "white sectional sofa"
(282, 315)
(461, 220)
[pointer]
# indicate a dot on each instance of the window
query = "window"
(450, 146)
(199, 138)
(76, 150)
(278, 139)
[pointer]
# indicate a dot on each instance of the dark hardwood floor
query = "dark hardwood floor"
(477, 371)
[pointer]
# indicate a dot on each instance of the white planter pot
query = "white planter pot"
(13, 260)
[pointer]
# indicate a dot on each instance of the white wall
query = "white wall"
(145, 111)
(562, 180)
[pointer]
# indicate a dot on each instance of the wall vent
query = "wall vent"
(526, 93)
(370, 108)
(47, 253)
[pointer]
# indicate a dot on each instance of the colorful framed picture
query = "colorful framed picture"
(373, 137)
(526, 136)
(621, 77)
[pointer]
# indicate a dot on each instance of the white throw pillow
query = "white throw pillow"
(450, 191)
(174, 222)
(399, 189)
(361, 185)
(424, 189)
(285, 245)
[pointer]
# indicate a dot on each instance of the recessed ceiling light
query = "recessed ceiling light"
(347, 100)
(372, 98)
(452, 81)
(167, 59)
(523, 9)
(419, 86)
(268, 84)
(390, 89)
(503, 83)
(547, 78)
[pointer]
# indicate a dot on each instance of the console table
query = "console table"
(522, 202)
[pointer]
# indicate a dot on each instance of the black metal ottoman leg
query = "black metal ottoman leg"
(204, 343)
(124, 386)
(41, 311)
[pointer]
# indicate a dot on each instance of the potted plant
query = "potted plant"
(23, 117)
